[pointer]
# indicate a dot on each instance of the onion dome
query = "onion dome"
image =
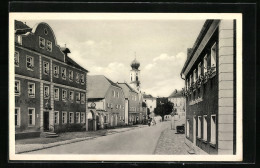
(135, 64)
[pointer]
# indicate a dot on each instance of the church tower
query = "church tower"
(135, 75)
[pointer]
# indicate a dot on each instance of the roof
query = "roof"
(21, 28)
(176, 93)
(192, 50)
(147, 96)
(130, 88)
(98, 85)
(70, 61)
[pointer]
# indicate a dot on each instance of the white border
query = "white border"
(126, 16)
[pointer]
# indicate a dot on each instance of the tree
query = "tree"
(164, 109)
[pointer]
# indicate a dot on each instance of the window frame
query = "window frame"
(33, 117)
(18, 117)
(56, 118)
(44, 42)
(82, 98)
(65, 119)
(199, 126)
(82, 79)
(32, 62)
(78, 95)
(46, 46)
(215, 130)
(213, 49)
(78, 117)
(56, 98)
(47, 68)
(19, 87)
(48, 96)
(205, 128)
(73, 118)
(56, 75)
(199, 69)
(205, 64)
(65, 73)
(33, 90)
(16, 54)
(77, 77)
(64, 99)
(71, 91)
(84, 117)
(70, 75)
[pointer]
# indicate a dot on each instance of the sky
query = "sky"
(107, 47)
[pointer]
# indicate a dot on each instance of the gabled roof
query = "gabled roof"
(98, 86)
(70, 61)
(176, 93)
(129, 87)
(147, 96)
(21, 28)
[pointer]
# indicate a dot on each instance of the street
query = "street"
(138, 141)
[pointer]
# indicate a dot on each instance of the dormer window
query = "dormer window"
(41, 43)
(49, 46)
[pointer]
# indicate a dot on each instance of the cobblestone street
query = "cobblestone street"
(171, 143)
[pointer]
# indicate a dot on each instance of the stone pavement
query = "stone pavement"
(23, 148)
(171, 143)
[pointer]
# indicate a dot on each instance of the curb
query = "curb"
(72, 141)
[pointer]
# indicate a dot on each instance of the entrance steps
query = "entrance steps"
(50, 135)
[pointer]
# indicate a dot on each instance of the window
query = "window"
(205, 64)
(205, 129)
(29, 63)
(63, 73)
(105, 119)
(41, 42)
(64, 94)
(194, 75)
(46, 92)
(31, 90)
(56, 94)
(117, 106)
(213, 55)
(71, 117)
(199, 126)
(190, 80)
(107, 104)
(70, 75)
(56, 71)
(71, 95)
(49, 46)
(114, 93)
(199, 69)
(31, 117)
(56, 117)
(17, 116)
(188, 128)
(78, 97)
(82, 117)
(111, 105)
(16, 59)
(77, 117)
(82, 98)
(77, 77)
(46, 68)
(64, 117)
(213, 129)
(82, 79)
(17, 87)
(117, 94)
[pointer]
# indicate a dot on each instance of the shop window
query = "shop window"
(56, 117)
(46, 92)
(17, 88)
(82, 117)
(31, 90)
(41, 43)
(17, 116)
(56, 94)
(213, 130)
(31, 117)
(16, 59)
(46, 68)
(77, 117)
(205, 128)
(71, 117)
(49, 46)
(56, 71)
(29, 63)
(64, 117)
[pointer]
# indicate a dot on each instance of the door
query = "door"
(194, 130)
(46, 121)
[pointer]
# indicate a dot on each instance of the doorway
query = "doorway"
(46, 121)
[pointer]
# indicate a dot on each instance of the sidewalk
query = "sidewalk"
(28, 145)
(171, 143)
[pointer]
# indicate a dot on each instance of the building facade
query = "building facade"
(109, 101)
(50, 88)
(209, 73)
(150, 103)
(179, 102)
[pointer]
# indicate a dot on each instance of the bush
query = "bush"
(69, 128)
